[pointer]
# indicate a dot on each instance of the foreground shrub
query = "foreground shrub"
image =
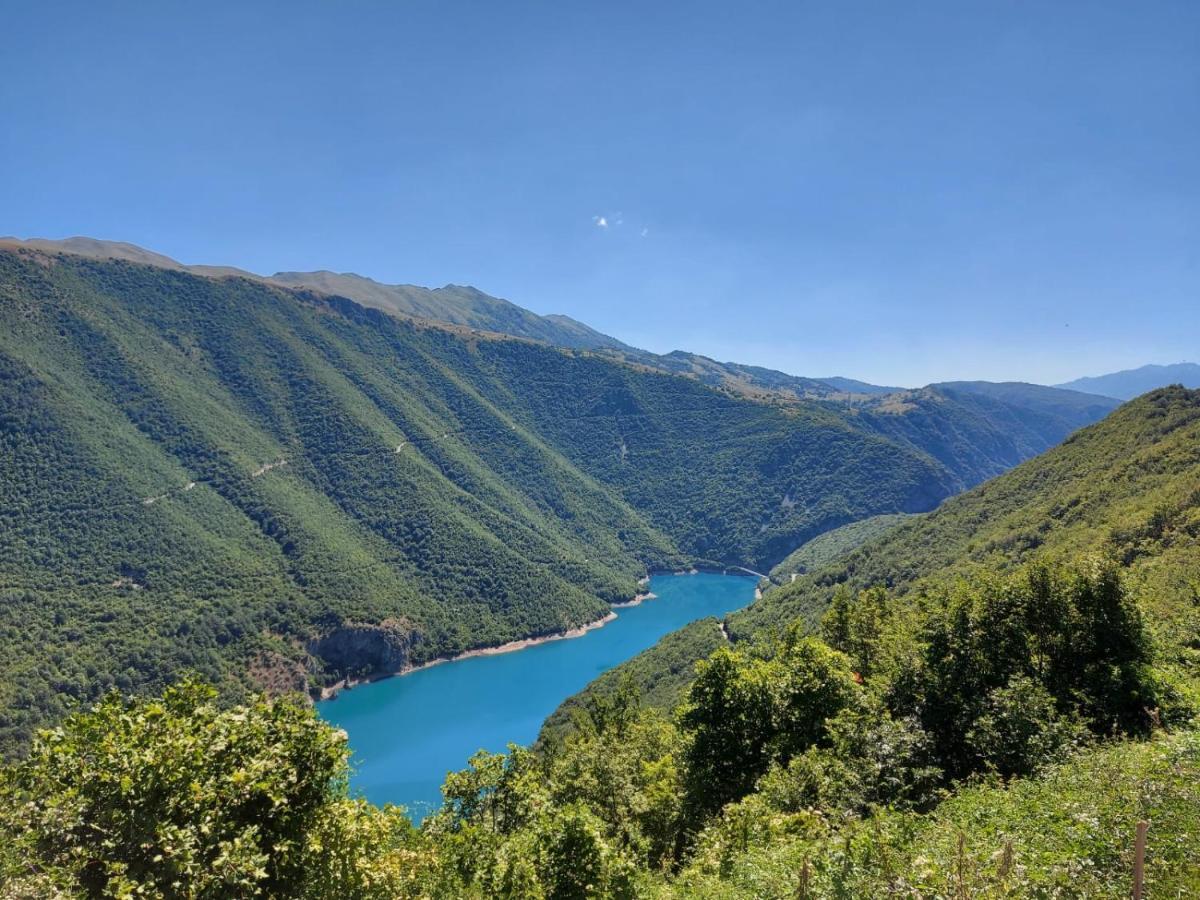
(177, 797)
(1067, 833)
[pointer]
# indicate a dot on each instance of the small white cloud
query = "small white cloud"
(600, 221)
(645, 231)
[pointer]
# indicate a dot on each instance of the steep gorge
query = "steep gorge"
(203, 473)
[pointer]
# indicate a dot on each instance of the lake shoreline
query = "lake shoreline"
(406, 735)
(331, 692)
(636, 601)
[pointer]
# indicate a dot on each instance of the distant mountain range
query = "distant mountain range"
(1130, 383)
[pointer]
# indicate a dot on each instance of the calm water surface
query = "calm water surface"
(408, 732)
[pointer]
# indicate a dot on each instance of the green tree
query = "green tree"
(1020, 729)
(857, 625)
(491, 793)
(179, 798)
(623, 763)
(574, 860)
(1071, 629)
(746, 712)
(871, 760)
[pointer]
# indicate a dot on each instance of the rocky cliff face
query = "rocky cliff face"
(359, 649)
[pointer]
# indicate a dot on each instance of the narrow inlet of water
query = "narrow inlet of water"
(408, 732)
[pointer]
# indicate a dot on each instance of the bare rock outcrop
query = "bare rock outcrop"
(363, 649)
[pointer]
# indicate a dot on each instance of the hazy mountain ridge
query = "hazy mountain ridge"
(1129, 383)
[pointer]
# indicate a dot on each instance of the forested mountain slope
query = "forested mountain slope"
(1076, 407)
(224, 476)
(975, 429)
(979, 429)
(732, 481)
(1034, 631)
(203, 475)
(736, 378)
(1128, 486)
(827, 548)
(1015, 690)
(221, 475)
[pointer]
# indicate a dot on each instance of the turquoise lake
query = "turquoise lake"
(408, 732)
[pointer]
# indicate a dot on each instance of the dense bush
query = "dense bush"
(999, 669)
(179, 798)
(746, 713)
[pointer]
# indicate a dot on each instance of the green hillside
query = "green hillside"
(748, 381)
(1102, 491)
(279, 488)
(1068, 832)
(283, 488)
(828, 548)
(454, 304)
(1000, 644)
(1124, 486)
(1089, 552)
(661, 675)
(854, 386)
(209, 476)
(226, 477)
(1082, 408)
(984, 429)
(1002, 690)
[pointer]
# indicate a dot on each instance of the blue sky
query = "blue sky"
(900, 192)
